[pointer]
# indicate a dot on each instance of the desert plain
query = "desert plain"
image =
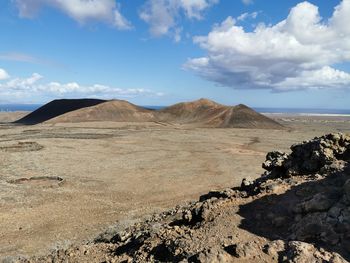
(63, 184)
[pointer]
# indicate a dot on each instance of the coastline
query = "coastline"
(274, 112)
(305, 114)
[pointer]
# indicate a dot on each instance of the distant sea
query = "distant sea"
(303, 111)
(298, 111)
(19, 107)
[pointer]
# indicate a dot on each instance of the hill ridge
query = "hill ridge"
(202, 112)
(56, 108)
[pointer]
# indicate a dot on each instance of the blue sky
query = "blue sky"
(158, 52)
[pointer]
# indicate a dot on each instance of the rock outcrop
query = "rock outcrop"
(315, 156)
(298, 211)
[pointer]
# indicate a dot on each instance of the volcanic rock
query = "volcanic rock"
(300, 216)
(56, 108)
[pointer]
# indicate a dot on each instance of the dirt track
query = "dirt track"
(72, 181)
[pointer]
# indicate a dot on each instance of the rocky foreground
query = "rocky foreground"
(297, 211)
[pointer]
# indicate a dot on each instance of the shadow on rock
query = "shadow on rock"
(316, 212)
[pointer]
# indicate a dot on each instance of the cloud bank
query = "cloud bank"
(296, 53)
(33, 90)
(163, 15)
(80, 10)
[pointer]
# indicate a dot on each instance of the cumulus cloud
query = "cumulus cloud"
(296, 53)
(33, 89)
(80, 10)
(162, 15)
(3, 74)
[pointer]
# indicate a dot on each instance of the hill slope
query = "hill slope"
(202, 113)
(198, 111)
(211, 114)
(56, 108)
(114, 110)
(241, 116)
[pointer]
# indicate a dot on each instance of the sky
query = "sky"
(263, 53)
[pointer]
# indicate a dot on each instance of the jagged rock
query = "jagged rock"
(212, 255)
(310, 156)
(246, 182)
(274, 160)
(319, 202)
(347, 190)
(246, 250)
(227, 193)
(301, 252)
(274, 249)
(326, 217)
(201, 211)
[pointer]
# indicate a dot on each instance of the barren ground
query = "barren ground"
(65, 184)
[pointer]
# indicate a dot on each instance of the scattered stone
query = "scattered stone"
(297, 211)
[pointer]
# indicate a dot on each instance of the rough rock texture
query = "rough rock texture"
(298, 211)
(315, 156)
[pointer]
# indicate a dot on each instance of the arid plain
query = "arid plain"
(66, 183)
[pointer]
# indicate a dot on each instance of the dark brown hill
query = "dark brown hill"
(56, 108)
(241, 116)
(211, 114)
(114, 110)
(199, 111)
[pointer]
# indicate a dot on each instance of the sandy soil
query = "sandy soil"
(63, 184)
(12, 116)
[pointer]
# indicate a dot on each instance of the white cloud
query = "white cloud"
(245, 16)
(159, 15)
(3, 74)
(326, 77)
(34, 90)
(177, 35)
(121, 22)
(80, 10)
(247, 2)
(162, 15)
(194, 8)
(296, 53)
(22, 84)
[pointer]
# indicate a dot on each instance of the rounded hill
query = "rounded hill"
(114, 110)
(208, 113)
(199, 113)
